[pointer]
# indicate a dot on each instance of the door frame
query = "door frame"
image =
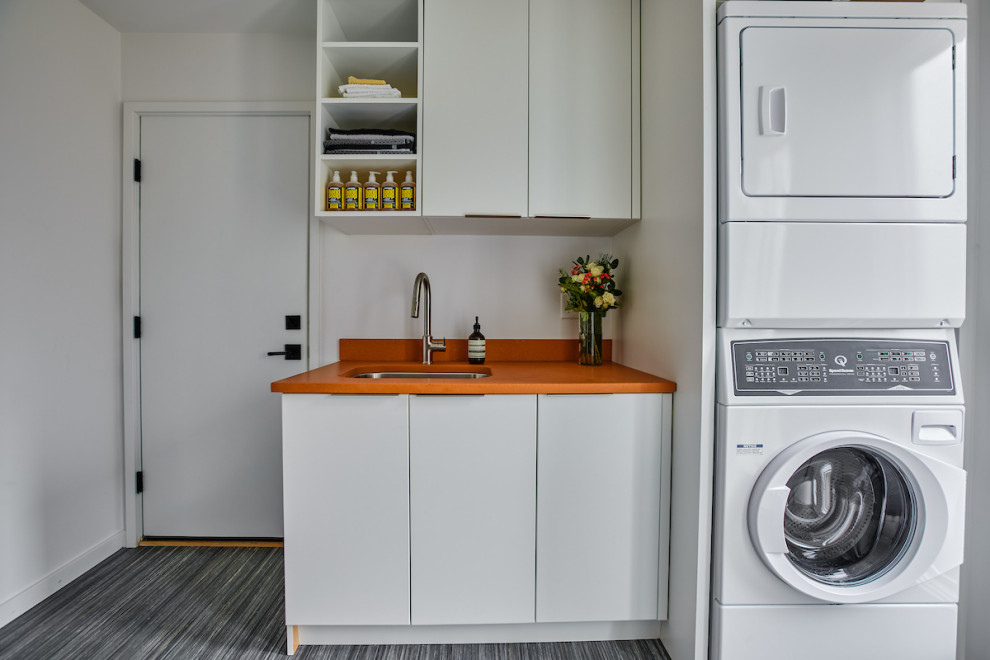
(130, 269)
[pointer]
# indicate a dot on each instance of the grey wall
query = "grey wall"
(974, 353)
(668, 326)
(60, 365)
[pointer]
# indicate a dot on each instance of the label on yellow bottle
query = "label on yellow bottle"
(335, 200)
(389, 203)
(371, 200)
(352, 198)
(407, 198)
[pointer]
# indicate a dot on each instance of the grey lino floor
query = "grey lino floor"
(220, 604)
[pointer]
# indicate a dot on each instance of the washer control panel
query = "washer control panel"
(842, 367)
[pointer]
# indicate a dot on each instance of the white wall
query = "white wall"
(218, 67)
(507, 281)
(60, 383)
(974, 353)
(668, 327)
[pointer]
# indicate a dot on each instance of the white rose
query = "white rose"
(577, 278)
(598, 301)
(609, 298)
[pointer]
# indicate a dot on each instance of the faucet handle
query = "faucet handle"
(439, 346)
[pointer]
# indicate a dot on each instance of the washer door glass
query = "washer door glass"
(850, 516)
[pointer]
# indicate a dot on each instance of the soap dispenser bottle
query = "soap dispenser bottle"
(407, 193)
(335, 193)
(352, 194)
(390, 192)
(476, 345)
(372, 193)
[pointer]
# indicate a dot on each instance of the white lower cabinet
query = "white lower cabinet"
(345, 461)
(598, 524)
(472, 508)
(494, 509)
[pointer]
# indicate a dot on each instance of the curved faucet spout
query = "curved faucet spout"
(422, 283)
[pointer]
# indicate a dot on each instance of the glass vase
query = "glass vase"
(590, 338)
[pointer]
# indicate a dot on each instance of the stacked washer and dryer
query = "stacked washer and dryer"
(840, 493)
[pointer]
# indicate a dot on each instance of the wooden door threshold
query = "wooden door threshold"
(211, 543)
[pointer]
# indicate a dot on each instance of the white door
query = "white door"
(859, 112)
(224, 224)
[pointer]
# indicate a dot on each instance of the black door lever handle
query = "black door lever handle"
(291, 352)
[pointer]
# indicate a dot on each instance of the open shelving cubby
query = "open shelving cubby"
(379, 39)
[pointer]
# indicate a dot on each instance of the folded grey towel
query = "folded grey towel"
(369, 136)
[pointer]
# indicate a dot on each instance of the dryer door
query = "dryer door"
(859, 112)
(852, 517)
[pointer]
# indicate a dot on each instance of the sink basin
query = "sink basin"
(420, 374)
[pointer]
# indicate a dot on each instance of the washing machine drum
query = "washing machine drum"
(850, 517)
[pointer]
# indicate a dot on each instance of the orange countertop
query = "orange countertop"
(522, 367)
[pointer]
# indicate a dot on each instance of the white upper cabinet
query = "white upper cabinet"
(531, 108)
(475, 100)
(583, 56)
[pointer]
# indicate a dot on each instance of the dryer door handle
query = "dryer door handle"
(770, 520)
(773, 110)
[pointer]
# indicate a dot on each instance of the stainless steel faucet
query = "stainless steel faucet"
(429, 345)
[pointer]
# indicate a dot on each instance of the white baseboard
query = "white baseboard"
(478, 634)
(24, 600)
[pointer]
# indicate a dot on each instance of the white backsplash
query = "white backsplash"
(509, 282)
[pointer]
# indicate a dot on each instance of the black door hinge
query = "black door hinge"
(137, 170)
(137, 327)
(139, 482)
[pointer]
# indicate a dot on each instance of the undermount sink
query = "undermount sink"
(420, 374)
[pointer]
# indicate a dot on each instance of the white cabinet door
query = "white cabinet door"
(473, 508)
(581, 108)
(475, 108)
(858, 112)
(346, 475)
(598, 512)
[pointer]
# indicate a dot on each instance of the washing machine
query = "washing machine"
(842, 195)
(839, 495)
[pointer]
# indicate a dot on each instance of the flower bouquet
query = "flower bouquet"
(591, 292)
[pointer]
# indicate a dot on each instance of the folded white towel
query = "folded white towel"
(382, 91)
(368, 94)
